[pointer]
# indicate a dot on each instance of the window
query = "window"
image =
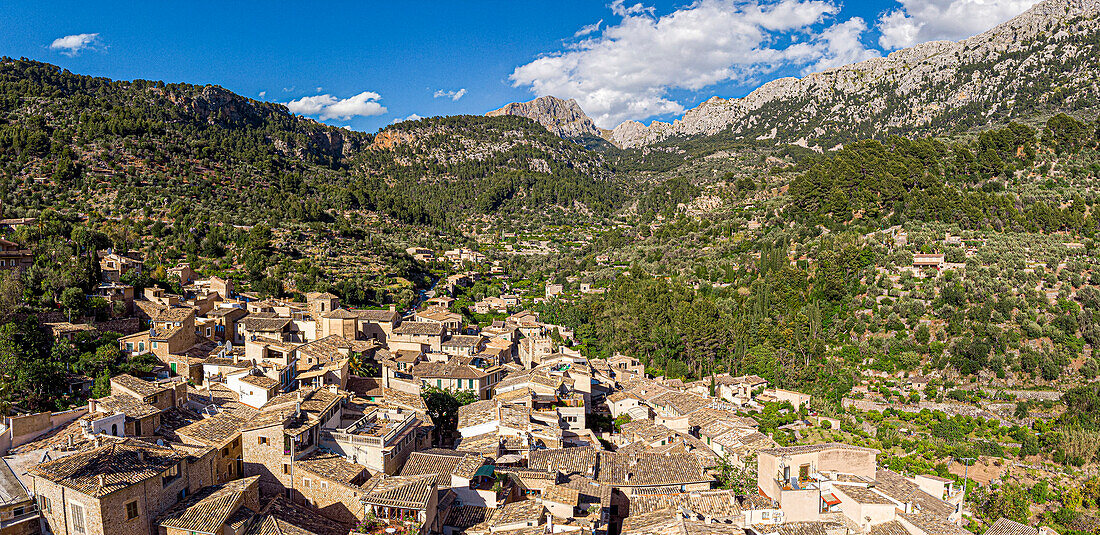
(141, 346)
(286, 468)
(45, 504)
(78, 517)
(131, 510)
(171, 475)
(324, 485)
(307, 482)
(130, 346)
(262, 441)
(114, 430)
(154, 345)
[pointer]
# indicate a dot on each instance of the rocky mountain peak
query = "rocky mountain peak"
(1046, 56)
(564, 118)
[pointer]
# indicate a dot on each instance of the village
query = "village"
(282, 416)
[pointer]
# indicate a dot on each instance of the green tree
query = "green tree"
(74, 301)
(443, 408)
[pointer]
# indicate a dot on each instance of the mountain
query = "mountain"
(157, 146)
(1046, 59)
(564, 118)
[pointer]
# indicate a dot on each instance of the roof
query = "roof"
(1004, 526)
(561, 494)
(378, 316)
(515, 512)
(404, 399)
(128, 405)
(899, 488)
(465, 516)
(281, 517)
(215, 430)
(567, 460)
(485, 443)
(477, 413)
(715, 504)
(255, 323)
(140, 387)
(932, 524)
(340, 314)
(452, 369)
(863, 495)
(120, 463)
(797, 528)
(209, 509)
(443, 463)
(894, 527)
(261, 381)
(279, 409)
(811, 448)
(463, 341)
(407, 492)
(332, 467)
(659, 522)
(11, 489)
(173, 314)
(365, 386)
(653, 469)
(420, 328)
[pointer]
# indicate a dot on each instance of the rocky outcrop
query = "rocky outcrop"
(562, 117)
(1047, 56)
(300, 137)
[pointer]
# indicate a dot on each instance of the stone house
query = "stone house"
(381, 439)
(322, 302)
(787, 475)
(18, 509)
(112, 266)
(117, 488)
(378, 324)
(331, 486)
(222, 433)
(218, 509)
(451, 320)
(401, 500)
(286, 429)
(417, 336)
(225, 321)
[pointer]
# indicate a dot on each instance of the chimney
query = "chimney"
(102, 480)
(141, 455)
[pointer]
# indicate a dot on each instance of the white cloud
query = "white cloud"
(263, 94)
(619, 9)
(840, 45)
(71, 45)
(590, 28)
(919, 21)
(413, 117)
(453, 95)
(326, 106)
(628, 70)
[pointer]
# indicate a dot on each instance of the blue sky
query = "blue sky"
(367, 64)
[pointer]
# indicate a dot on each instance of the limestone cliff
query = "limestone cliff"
(1047, 57)
(562, 117)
